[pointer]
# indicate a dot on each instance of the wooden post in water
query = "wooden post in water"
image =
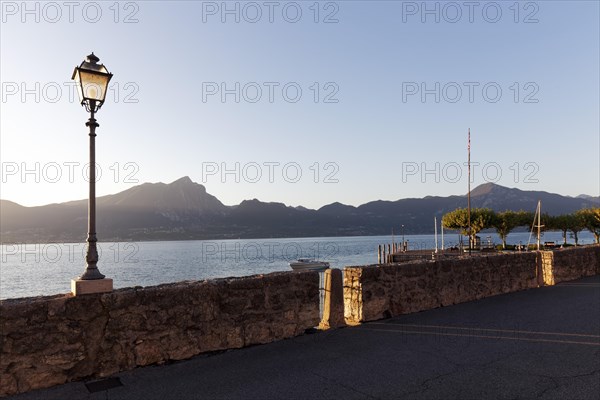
(383, 258)
(379, 254)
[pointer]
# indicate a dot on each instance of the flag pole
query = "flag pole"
(469, 189)
(442, 226)
(435, 230)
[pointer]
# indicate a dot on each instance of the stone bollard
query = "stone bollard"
(333, 307)
(545, 268)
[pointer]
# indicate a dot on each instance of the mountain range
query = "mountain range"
(184, 210)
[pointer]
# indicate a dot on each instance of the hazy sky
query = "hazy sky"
(303, 102)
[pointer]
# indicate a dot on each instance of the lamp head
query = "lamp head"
(92, 81)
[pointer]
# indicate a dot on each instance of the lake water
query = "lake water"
(46, 269)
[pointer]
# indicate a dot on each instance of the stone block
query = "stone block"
(81, 287)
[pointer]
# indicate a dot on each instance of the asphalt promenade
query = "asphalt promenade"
(539, 344)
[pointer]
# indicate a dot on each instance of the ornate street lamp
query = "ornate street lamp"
(92, 83)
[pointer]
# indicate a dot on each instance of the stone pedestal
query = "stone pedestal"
(79, 287)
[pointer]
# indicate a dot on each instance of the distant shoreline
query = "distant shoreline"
(584, 237)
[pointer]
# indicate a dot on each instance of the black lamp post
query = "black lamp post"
(92, 84)
(403, 242)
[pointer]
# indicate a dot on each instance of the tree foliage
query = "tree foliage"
(560, 223)
(576, 225)
(457, 220)
(481, 218)
(590, 219)
(505, 221)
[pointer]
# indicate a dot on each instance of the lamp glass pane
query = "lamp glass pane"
(93, 85)
(79, 88)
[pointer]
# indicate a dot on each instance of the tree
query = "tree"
(561, 223)
(591, 220)
(481, 218)
(457, 220)
(504, 222)
(526, 217)
(576, 224)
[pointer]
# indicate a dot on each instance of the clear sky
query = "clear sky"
(303, 102)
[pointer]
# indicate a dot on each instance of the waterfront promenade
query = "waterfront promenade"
(540, 343)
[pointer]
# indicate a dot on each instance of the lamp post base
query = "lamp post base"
(89, 286)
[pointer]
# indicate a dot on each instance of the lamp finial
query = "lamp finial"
(92, 58)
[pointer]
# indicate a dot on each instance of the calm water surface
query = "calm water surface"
(45, 269)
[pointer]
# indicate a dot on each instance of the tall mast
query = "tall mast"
(442, 226)
(469, 190)
(539, 224)
(435, 230)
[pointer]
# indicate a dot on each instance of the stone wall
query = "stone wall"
(376, 292)
(570, 263)
(45, 341)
